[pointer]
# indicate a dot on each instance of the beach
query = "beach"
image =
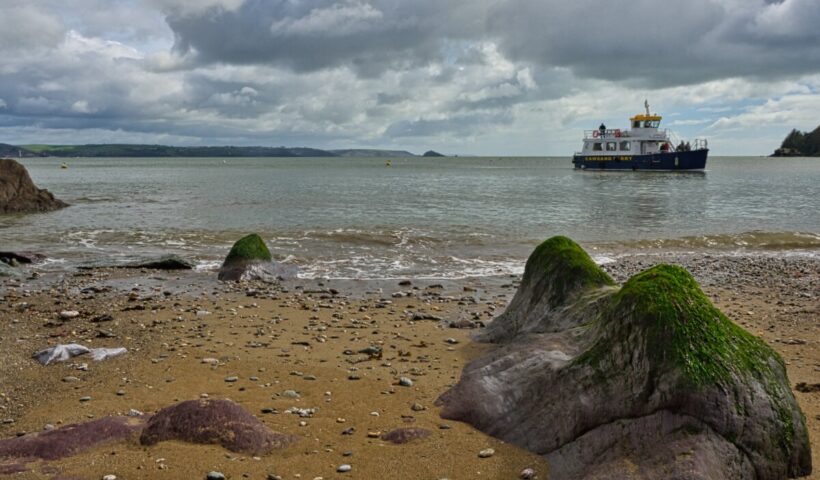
(273, 347)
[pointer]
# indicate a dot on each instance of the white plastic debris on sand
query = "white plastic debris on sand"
(63, 352)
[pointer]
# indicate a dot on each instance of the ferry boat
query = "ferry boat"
(643, 147)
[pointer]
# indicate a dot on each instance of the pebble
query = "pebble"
(486, 453)
(85, 399)
(231, 379)
(405, 382)
(69, 314)
(344, 468)
(291, 394)
(215, 476)
(527, 474)
(109, 477)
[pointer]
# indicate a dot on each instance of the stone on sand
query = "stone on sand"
(220, 422)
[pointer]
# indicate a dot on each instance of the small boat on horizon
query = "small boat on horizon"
(643, 147)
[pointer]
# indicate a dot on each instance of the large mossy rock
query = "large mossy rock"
(250, 259)
(646, 381)
(18, 194)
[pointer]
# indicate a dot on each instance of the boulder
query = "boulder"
(69, 440)
(166, 262)
(649, 380)
(21, 257)
(219, 422)
(250, 259)
(18, 194)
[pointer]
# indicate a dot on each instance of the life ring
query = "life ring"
(617, 134)
(595, 133)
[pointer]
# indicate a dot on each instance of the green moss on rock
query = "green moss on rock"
(684, 330)
(251, 247)
(565, 265)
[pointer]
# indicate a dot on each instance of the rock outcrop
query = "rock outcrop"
(18, 194)
(646, 381)
(219, 422)
(250, 259)
(209, 422)
(166, 262)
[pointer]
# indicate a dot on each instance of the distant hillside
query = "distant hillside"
(432, 153)
(135, 150)
(800, 144)
(365, 152)
(7, 150)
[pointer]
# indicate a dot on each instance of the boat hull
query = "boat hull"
(691, 160)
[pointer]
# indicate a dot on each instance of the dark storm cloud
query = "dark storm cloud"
(369, 36)
(650, 42)
(663, 43)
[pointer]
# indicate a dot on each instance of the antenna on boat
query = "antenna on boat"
(646, 104)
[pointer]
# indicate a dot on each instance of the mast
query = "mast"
(646, 105)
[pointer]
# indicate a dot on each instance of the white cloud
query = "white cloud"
(338, 19)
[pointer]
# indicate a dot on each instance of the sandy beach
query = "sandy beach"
(270, 348)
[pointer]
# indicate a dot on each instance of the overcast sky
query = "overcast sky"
(484, 77)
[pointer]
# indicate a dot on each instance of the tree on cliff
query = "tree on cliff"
(800, 144)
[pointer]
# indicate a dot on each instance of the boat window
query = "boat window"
(626, 146)
(611, 146)
(636, 124)
(597, 146)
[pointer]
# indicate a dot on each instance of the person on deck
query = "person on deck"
(602, 129)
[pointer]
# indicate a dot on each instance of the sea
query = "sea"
(449, 218)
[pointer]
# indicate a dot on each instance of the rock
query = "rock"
(109, 477)
(18, 194)
(167, 262)
(404, 435)
(215, 476)
(405, 382)
(69, 440)
(250, 259)
(807, 387)
(69, 314)
(344, 468)
(21, 257)
(220, 422)
(486, 453)
(527, 474)
(646, 381)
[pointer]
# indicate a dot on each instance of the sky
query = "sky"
(468, 77)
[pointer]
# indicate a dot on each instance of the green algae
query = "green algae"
(565, 265)
(663, 313)
(685, 330)
(250, 247)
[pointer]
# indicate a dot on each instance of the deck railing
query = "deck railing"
(618, 133)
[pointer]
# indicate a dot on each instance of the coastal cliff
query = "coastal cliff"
(800, 144)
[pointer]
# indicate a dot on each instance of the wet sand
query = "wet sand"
(306, 337)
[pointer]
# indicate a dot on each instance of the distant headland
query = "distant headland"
(800, 144)
(139, 150)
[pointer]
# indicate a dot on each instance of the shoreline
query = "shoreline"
(284, 335)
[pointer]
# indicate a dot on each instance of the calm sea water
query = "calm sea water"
(443, 217)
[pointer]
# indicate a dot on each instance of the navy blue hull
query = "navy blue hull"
(691, 160)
